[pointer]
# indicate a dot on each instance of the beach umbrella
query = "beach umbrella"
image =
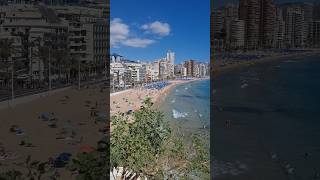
(86, 149)
(64, 156)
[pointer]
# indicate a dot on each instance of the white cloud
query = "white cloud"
(119, 32)
(157, 27)
(137, 42)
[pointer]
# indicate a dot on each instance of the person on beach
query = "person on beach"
(228, 123)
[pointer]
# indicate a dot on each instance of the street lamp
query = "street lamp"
(49, 70)
(12, 85)
(79, 74)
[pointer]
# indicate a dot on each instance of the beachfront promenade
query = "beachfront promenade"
(23, 92)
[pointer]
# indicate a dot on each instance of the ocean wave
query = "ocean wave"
(173, 100)
(244, 81)
(176, 114)
(186, 88)
(244, 85)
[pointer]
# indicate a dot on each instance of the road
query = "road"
(5, 94)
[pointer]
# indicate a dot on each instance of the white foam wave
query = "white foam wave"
(244, 85)
(176, 114)
(290, 61)
(173, 101)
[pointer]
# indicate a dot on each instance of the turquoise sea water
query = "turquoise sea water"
(187, 107)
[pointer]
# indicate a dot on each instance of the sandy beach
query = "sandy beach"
(132, 99)
(245, 63)
(72, 109)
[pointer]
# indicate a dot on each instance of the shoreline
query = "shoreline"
(132, 99)
(167, 90)
(218, 70)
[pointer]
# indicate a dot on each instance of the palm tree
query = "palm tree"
(45, 53)
(33, 45)
(72, 67)
(61, 57)
(6, 50)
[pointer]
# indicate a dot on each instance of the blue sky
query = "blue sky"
(146, 29)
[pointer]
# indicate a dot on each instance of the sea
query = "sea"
(187, 107)
(273, 110)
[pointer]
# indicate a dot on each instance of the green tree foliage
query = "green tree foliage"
(94, 165)
(137, 145)
(11, 174)
(199, 163)
(147, 145)
(90, 166)
(30, 170)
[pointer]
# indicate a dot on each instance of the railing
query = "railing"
(120, 173)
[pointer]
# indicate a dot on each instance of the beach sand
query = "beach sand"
(75, 108)
(231, 65)
(132, 99)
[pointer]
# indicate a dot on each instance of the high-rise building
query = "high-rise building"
(250, 12)
(237, 34)
(316, 11)
(217, 21)
(170, 63)
(217, 28)
(230, 12)
(135, 68)
(178, 70)
(315, 34)
(156, 70)
(307, 23)
(279, 30)
(259, 17)
(294, 26)
(143, 72)
(190, 66)
(116, 58)
(212, 37)
(267, 23)
(203, 68)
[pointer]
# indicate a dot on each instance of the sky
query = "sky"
(146, 29)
